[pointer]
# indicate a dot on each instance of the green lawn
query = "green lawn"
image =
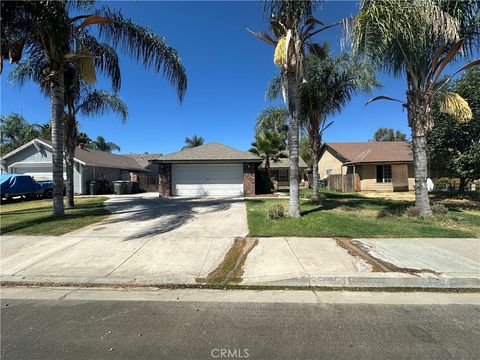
(353, 215)
(34, 217)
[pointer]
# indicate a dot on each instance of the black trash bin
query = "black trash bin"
(93, 186)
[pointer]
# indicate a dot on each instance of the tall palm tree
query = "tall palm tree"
(293, 26)
(103, 145)
(45, 32)
(270, 147)
(194, 141)
(330, 83)
(418, 39)
(91, 103)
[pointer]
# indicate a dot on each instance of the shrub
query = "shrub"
(276, 212)
(391, 211)
(412, 211)
(439, 209)
(317, 200)
(263, 183)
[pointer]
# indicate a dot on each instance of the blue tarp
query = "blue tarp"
(21, 184)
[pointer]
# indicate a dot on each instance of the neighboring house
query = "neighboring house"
(147, 181)
(382, 166)
(210, 169)
(280, 170)
(35, 158)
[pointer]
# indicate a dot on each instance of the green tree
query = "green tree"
(305, 151)
(454, 147)
(103, 145)
(194, 141)
(293, 26)
(44, 32)
(273, 119)
(417, 40)
(270, 147)
(330, 82)
(388, 134)
(16, 131)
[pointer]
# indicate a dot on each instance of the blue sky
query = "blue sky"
(227, 70)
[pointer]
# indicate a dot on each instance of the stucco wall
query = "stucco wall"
(329, 161)
(368, 178)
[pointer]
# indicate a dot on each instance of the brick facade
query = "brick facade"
(165, 180)
(249, 179)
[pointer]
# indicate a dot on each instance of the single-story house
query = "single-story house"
(35, 158)
(382, 165)
(280, 170)
(147, 181)
(210, 169)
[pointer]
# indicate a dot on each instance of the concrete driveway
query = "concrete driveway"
(146, 240)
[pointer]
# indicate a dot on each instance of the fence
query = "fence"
(148, 183)
(344, 183)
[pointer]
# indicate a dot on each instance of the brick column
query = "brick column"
(165, 180)
(248, 179)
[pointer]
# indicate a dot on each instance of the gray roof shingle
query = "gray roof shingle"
(283, 163)
(209, 152)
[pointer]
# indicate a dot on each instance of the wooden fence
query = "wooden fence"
(344, 183)
(148, 183)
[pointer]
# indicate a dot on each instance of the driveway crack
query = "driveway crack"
(296, 257)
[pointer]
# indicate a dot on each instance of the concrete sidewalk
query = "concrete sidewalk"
(301, 262)
(322, 262)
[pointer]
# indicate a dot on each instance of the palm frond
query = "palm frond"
(105, 58)
(100, 102)
(272, 119)
(274, 87)
(144, 45)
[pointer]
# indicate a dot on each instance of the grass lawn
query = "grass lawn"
(356, 215)
(35, 217)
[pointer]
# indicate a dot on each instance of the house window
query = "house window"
(384, 173)
(282, 175)
(329, 172)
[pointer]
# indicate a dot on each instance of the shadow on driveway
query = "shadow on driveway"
(156, 216)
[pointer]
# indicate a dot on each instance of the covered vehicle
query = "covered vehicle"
(12, 185)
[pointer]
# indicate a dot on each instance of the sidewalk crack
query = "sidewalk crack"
(296, 257)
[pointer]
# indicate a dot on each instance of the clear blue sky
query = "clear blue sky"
(228, 70)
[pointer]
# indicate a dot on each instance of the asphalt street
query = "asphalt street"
(93, 329)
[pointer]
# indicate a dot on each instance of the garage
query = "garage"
(211, 169)
(207, 179)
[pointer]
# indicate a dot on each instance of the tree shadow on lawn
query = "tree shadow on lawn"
(171, 213)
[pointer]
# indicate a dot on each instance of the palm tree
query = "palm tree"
(95, 102)
(418, 39)
(273, 119)
(192, 142)
(293, 27)
(270, 147)
(330, 83)
(102, 145)
(46, 34)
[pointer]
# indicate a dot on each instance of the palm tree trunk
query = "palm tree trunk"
(57, 93)
(419, 121)
(293, 151)
(70, 135)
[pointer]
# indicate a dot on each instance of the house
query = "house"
(381, 166)
(35, 158)
(147, 181)
(280, 170)
(210, 169)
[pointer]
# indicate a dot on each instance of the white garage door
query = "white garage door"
(38, 171)
(206, 179)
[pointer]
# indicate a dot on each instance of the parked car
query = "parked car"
(13, 185)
